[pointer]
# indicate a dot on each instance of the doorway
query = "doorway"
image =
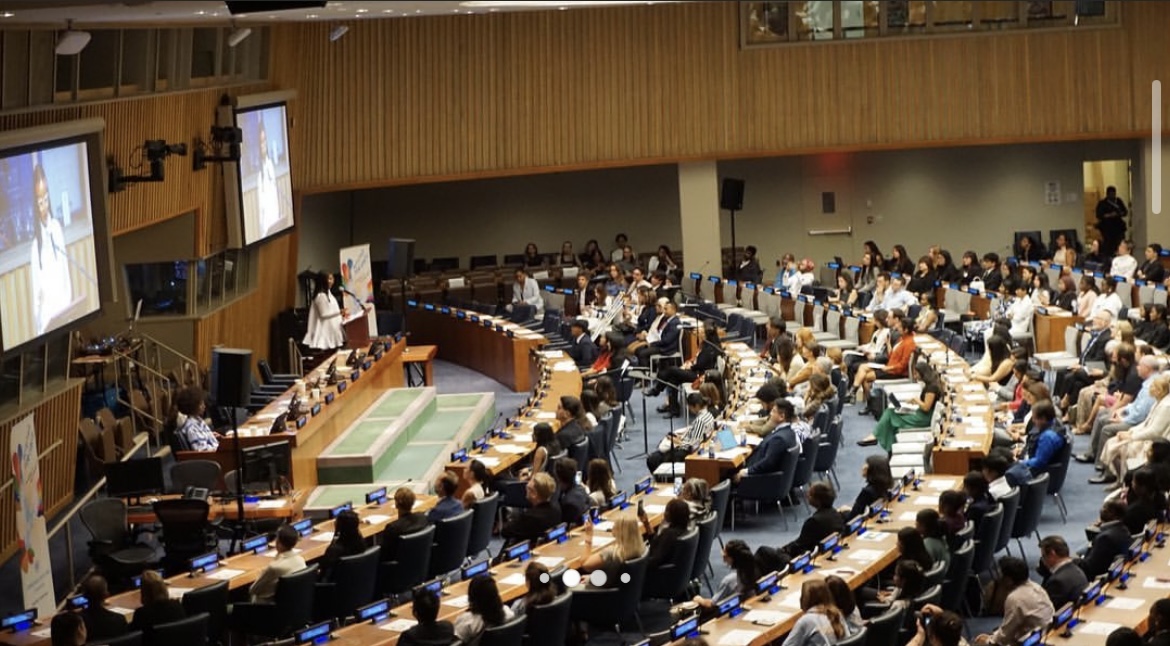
(1100, 175)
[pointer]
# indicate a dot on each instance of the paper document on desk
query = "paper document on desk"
(739, 637)
(601, 541)
(398, 625)
(925, 500)
(1103, 628)
(908, 516)
(125, 612)
(1156, 583)
(865, 556)
(516, 578)
(459, 602)
(604, 526)
(977, 410)
(654, 509)
(177, 593)
(961, 444)
(376, 519)
(270, 504)
(512, 449)
(524, 438)
(43, 633)
(552, 354)
(225, 574)
(730, 454)
(323, 537)
(549, 561)
(1125, 603)
(488, 461)
(546, 414)
(874, 535)
(941, 485)
(791, 600)
(565, 366)
(766, 617)
(271, 554)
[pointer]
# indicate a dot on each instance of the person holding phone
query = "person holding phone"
(938, 627)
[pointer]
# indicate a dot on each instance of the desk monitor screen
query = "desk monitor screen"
(1090, 595)
(519, 552)
(726, 439)
(830, 544)
(376, 497)
(459, 456)
(685, 628)
(136, 580)
(20, 621)
(475, 569)
(878, 508)
(135, 477)
(558, 534)
(1063, 615)
(618, 501)
(434, 587)
(304, 526)
(856, 526)
(1035, 638)
(644, 485)
(204, 563)
(769, 583)
(79, 602)
(1136, 549)
(801, 563)
(336, 511)
(1116, 570)
(317, 634)
(375, 612)
(730, 607)
(267, 463)
(256, 544)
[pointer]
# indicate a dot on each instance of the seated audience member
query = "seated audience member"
(571, 497)
(541, 516)
(1158, 623)
(620, 242)
(898, 297)
(408, 522)
(525, 291)
(952, 507)
(347, 541)
(774, 330)
(898, 364)
(1131, 445)
(914, 413)
(101, 623)
(990, 278)
(548, 445)
(878, 481)
(159, 608)
(749, 270)
(938, 627)
(542, 589)
(676, 446)
(1152, 328)
(600, 482)
(1044, 442)
(928, 524)
(767, 395)
(981, 502)
(824, 521)
(912, 547)
(478, 479)
(1143, 501)
(1112, 540)
(574, 424)
(668, 336)
(1064, 254)
(485, 610)
(1151, 270)
(697, 494)
(689, 371)
(923, 279)
(741, 579)
(532, 257)
(448, 505)
(1063, 580)
(67, 629)
(820, 620)
(428, 631)
(1029, 250)
(1001, 363)
(192, 431)
(909, 581)
(969, 269)
(676, 520)
(769, 455)
(1124, 264)
(285, 562)
(582, 350)
(995, 468)
(1025, 608)
(788, 363)
(1125, 636)
(627, 545)
(845, 601)
(1123, 415)
(876, 351)
(663, 261)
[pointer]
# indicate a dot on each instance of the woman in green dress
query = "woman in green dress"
(886, 432)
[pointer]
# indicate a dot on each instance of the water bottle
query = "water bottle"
(742, 438)
(711, 451)
(678, 482)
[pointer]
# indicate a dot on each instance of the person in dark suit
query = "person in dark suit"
(407, 522)
(1158, 623)
(571, 497)
(689, 371)
(1112, 540)
(769, 455)
(990, 276)
(101, 623)
(574, 423)
(775, 330)
(1152, 270)
(1063, 580)
(537, 519)
(445, 487)
(157, 606)
(667, 340)
(347, 541)
(823, 522)
(749, 270)
(676, 520)
(428, 631)
(1092, 351)
(582, 348)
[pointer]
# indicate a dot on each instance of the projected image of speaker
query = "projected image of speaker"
(400, 261)
(731, 197)
(231, 377)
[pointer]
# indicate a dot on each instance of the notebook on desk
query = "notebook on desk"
(726, 439)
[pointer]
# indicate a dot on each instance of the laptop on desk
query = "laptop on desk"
(897, 405)
(725, 438)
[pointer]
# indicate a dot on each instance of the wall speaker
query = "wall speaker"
(231, 377)
(731, 198)
(400, 261)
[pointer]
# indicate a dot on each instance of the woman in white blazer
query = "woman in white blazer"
(1123, 451)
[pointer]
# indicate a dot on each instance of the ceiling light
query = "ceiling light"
(200, 13)
(363, 10)
(313, 15)
(238, 36)
(7, 14)
(560, 4)
(387, 11)
(337, 33)
(72, 42)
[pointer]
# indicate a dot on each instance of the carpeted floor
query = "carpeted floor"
(1081, 498)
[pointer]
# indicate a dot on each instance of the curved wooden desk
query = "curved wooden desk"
(500, 349)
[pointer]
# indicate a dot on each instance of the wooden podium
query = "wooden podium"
(357, 331)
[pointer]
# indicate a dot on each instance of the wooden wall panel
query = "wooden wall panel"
(420, 99)
(56, 423)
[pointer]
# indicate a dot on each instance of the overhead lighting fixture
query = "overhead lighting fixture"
(544, 4)
(7, 14)
(72, 42)
(363, 11)
(238, 35)
(337, 33)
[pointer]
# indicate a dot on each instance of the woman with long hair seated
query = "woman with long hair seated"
(485, 610)
(915, 413)
(820, 623)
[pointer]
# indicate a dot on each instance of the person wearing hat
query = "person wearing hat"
(582, 348)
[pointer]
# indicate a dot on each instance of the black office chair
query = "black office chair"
(351, 584)
(191, 631)
(483, 518)
(707, 529)
(1057, 472)
(549, 624)
(129, 639)
(860, 638)
(272, 379)
(610, 607)
(509, 633)
(955, 582)
(826, 462)
(195, 473)
(580, 453)
(770, 487)
(1032, 497)
(186, 530)
(413, 554)
(804, 468)
(1011, 504)
(292, 609)
(884, 629)
(111, 546)
(720, 499)
(212, 600)
(672, 579)
(452, 535)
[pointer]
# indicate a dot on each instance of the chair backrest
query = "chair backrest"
(670, 580)
(580, 453)
(707, 529)
(451, 538)
(828, 445)
(195, 473)
(483, 517)
(266, 373)
(294, 597)
(129, 639)
(549, 624)
(932, 595)
(856, 639)
(629, 594)
(720, 497)
(937, 573)
(105, 518)
(955, 583)
(413, 554)
(1058, 469)
(191, 631)
(807, 460)
(986, 534)
(1010, 503)
(965, 534)
(514, 493)
(212, 600)
(357, 578)
(1031, 506)
(509, 633)
(884, 628)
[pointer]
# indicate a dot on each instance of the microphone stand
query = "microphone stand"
(670, 428)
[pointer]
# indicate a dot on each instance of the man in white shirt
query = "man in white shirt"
(1124, 264)
(994, 471)
(619, 241)
(527, 292)
(285, 562)
(897, 298)
(1026, 608)
(637, 279)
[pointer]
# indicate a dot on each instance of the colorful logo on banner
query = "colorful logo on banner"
(36, 572)
(357, 277)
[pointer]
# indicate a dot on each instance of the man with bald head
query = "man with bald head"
(1117, 419)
